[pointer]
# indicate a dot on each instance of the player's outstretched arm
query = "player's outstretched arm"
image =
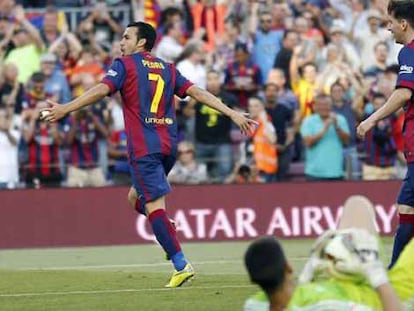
(394, 102)
(57, 111)
(245, 124)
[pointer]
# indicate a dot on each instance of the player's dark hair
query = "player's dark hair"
(266, 263)
(147, 32)
(402, 9)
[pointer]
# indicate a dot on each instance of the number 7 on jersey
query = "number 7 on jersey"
(158, 91)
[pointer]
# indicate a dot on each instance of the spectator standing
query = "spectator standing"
(56, 82)
(324, 134)
(379, 147)
(50, 28)
(169, 46)
(28, 47)
(9, 138)
(341, 106)
(242, 78)
(36, 91)
(102, 25)
(43, 140)
(303, 80)
(264, 141)
(82, 139)
(212, 131)
(266, 41)
(366, 40)
(282, 60)
(189, 63)
(281, 117)
(12, 91)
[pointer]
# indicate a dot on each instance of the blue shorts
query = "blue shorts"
(149, 177)
(406, 195)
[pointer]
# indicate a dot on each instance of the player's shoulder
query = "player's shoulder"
(407, 50)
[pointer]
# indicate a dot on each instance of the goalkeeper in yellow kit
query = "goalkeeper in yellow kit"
(343, 273)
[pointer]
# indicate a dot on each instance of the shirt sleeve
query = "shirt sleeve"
(306, 129)
(115, 76)
(343, 124)
(406, 74)
(181, 84)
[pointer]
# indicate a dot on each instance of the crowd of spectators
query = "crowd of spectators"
(307, 70)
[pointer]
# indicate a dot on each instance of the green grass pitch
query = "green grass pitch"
(123, 278)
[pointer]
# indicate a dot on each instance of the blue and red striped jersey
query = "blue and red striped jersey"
(147, 85)
(43, 151)
(406, 80)
(84, 151)
(379, 145)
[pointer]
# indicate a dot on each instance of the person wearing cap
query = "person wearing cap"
(56, 82)
(366, 40)
(338, 38)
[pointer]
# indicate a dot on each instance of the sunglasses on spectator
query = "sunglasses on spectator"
(265, 20)
(185, 151)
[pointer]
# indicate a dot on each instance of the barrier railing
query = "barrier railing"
(122, 13)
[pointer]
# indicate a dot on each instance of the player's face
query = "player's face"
(129, 41)
(394, 26)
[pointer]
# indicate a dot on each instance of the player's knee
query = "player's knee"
(132, 197)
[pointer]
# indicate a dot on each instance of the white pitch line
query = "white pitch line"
(140, 265)
(114, 291)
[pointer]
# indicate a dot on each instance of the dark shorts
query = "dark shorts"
(406, 195)
(149, 176)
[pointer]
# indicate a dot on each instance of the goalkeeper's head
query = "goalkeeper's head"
(267, 267)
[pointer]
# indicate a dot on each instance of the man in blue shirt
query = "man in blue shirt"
(324, 134)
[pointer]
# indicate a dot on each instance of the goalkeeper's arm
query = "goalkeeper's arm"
(389, 299)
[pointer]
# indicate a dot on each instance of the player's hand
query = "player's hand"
(365, 247)
(54, 113)
(364, 127)
(247, 126)
(316, 262)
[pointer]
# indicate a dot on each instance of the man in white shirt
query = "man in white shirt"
(367, 39)
(169, 46)
(9, 138)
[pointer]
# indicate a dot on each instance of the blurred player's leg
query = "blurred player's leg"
(405, 202)
(358, 212)
(135, 202)
(404, 232)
